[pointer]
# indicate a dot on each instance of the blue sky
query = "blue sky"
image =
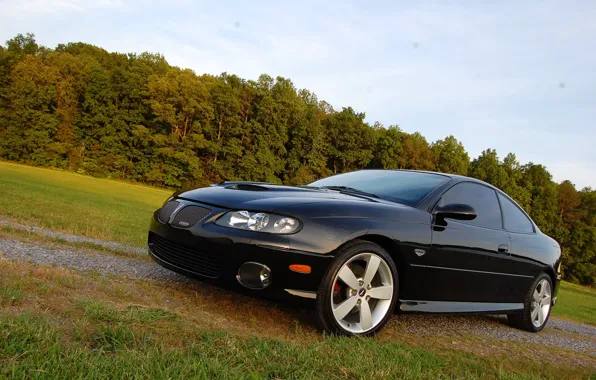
(516, 76)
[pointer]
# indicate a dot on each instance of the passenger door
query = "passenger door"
(468, 260)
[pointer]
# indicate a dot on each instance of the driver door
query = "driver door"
(468, 260)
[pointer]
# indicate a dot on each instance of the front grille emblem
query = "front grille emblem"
(188, 215)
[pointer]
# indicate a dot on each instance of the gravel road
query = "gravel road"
(71, 238)
(83, 261)
(559, 333)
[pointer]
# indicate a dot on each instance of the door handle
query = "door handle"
(503, 248)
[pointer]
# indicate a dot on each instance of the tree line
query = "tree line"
(135, 117)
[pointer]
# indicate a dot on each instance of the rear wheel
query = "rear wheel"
(358, 293)
(537, 306)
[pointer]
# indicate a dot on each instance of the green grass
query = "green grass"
(10, 295)
(577, 303)
(30, 347)
(77, 204)
(72, 325)
(98, 311)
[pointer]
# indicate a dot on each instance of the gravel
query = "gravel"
(85, 261)
(570, 335)
(559, 333)
(72, 238)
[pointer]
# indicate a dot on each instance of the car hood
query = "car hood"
(263, 197)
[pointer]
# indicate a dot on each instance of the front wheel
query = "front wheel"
(358, 293)
(537, 306)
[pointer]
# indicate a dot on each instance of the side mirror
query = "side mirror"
(457, 211)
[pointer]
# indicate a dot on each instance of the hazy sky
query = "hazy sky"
(516, 76)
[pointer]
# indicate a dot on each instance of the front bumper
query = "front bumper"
(214, 254)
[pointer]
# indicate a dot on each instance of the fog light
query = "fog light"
(254, 275)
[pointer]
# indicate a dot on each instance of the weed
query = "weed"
(10, 295)
(98, 311)
(119, 337)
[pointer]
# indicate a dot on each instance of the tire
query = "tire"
(350, 300)
(537, 306)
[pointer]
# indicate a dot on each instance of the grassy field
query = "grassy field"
(59, 324)
(55, 323)
(577, 303)
(78, 204)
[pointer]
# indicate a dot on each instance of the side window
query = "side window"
(483, 199)
(515, 220)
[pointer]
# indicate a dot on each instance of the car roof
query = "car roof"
(454, 177)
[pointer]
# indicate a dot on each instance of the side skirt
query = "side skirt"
(457, 307)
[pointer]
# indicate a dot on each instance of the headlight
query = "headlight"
(259, 221)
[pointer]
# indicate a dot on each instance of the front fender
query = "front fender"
(328, 226)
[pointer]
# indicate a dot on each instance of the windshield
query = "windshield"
(399, 186)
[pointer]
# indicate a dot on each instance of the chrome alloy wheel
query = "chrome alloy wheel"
(362, 293)
(541, 302)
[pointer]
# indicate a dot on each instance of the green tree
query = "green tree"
(32, 121)
(450, 156)
(416, 153)
(307, 146)
(513, 179)
(181, 99)
(351, 140)
(488, 168)
(579, 245)
(569, 202)
(388, 148)
(544, 202)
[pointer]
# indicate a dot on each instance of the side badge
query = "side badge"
(419, 252)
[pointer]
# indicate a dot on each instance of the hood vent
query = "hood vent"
(247, 187)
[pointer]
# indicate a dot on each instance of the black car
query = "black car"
(364, 244)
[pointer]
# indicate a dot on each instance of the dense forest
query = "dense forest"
(135, 117)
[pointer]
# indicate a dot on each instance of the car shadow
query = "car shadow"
(288, 313)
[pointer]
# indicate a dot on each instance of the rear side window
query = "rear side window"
(482, 198)
(515, 220)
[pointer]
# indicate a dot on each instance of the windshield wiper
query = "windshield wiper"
(348, 190)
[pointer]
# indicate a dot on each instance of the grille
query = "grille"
(189, 216)
(166, 211)
(184, 257)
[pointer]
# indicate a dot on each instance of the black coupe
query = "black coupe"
(364, 244)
